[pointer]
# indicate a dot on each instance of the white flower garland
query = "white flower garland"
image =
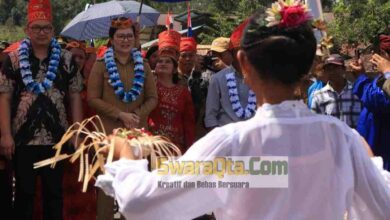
(25, 67)
(235, 100)
(114, 78)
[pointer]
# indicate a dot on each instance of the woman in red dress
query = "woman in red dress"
(174, 115)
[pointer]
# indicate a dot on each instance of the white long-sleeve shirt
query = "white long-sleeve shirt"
(329, 171)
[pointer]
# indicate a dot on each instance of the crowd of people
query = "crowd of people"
(228, 103)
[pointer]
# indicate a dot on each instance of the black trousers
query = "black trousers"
(6, 187)
(26, 176)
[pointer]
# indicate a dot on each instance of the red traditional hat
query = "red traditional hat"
(39, 10)
(169, 43)
(235, 38)
(187, 44)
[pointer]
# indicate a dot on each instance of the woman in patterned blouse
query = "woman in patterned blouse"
(133, 77)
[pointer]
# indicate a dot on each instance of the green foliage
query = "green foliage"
(13, 12)
(359, 21)
(355, 20)
(100, 42)
(5, 6)
(327, 5)
(11, 33)
(222, 27)
(228, 14)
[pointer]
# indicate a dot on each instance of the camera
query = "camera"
(208, 61)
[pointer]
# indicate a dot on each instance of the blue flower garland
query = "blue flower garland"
(114, 78)
(235, 100)
(25, 67)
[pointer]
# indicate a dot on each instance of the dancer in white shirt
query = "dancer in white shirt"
(329, 169)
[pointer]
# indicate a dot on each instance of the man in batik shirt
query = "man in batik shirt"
(37, 83)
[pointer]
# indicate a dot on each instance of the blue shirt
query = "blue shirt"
(374, 121)
(317, 85)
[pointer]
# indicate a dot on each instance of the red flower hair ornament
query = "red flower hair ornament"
(288, 13)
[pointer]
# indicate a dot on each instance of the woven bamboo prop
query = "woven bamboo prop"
(95, 142)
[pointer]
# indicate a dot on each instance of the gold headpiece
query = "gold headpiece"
(76, 44)
(121, 23)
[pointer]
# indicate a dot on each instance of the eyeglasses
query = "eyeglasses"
(37, 29)
(123, 37)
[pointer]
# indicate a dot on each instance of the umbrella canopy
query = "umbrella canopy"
(96, 20)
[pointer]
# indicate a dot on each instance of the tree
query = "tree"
(359, 21)
(5, 6)
(225, 19)
(327, 5)
(16, 16)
